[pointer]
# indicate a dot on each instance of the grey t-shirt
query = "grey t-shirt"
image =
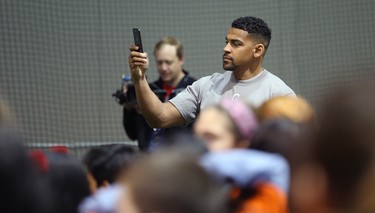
(210, 90)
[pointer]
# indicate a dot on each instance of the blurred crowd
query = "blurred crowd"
(283, 156)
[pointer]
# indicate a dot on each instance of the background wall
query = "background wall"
(60, 61)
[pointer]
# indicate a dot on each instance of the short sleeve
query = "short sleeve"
(188, 101)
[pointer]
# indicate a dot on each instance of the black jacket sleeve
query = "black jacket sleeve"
(129, 120)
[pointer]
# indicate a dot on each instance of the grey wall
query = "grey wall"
(60, 61)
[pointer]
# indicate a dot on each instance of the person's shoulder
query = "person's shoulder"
(277, 84)
(190, 79)
(205, 81)
(156, 85)
(216, 76)
(272, 77)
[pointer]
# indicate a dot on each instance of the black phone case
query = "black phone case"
(138, 39)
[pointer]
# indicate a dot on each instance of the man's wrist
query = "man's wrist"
(137, 75)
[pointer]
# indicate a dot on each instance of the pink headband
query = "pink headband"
(242, 116)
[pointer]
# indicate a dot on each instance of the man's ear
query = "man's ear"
(259, 50)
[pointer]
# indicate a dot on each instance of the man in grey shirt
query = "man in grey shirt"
(247, 41)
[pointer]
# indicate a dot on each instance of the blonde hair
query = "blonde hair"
(296, 109)
(171, 41)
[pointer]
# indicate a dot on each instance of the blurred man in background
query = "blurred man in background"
(173, 79)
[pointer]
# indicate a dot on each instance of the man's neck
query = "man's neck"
(246, 74)
(249, 71)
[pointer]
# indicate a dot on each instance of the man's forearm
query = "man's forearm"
(149, 103)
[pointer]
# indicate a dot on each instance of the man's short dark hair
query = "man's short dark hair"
(105, 162)
(256, 27)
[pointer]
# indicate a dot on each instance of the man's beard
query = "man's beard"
(228, 67)
(228, 63)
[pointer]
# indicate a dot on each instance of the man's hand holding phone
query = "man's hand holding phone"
(138, 60)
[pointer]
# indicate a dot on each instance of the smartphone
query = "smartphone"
(137, 39)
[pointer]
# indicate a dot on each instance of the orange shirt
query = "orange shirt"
(267, 198)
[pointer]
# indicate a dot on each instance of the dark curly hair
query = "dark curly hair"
(256, 27)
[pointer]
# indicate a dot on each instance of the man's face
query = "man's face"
(214, 129)
(238, 51)
(168, 64)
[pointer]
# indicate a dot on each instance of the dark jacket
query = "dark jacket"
(136, 126)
